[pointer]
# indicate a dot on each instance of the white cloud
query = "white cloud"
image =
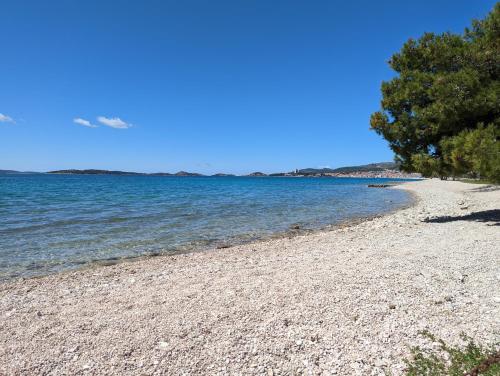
(113, 122)
(6, 119)
(84, 122)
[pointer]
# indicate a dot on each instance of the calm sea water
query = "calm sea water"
(50, 223)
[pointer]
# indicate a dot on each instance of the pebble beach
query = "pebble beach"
(350, 300)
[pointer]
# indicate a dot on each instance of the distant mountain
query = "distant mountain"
(108, 172)
(8, 172)
(184, 173)
(314, 171)
(94, 172)
(256, 174)
(160, 174)
(372, 167)
(369, 167)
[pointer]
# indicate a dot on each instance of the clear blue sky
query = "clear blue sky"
(207, 86)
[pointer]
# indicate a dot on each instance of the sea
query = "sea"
(51, 223)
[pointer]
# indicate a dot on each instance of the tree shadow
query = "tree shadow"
(492, 217)
(488, 188)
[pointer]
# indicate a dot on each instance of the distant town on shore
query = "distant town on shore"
(372, 170)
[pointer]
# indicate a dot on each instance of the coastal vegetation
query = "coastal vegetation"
(442, 359)
(440, 114)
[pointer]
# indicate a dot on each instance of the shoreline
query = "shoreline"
(215, 245)
(289, 234)
(347, 300)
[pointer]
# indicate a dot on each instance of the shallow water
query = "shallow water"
(50, 223)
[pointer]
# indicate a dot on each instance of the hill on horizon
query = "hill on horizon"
(8, 172)
(380, 166)
(371, 167)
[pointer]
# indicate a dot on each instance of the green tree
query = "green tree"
(474, 152)
(447, 86)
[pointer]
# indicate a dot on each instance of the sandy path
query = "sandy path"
(348, 301)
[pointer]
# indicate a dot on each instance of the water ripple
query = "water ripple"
(55, 222)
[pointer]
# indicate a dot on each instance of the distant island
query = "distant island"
(108, 172)
(94, 172)
(184, 173)
(9, 172)
(222, 175)
(257, 174)
(372, 170)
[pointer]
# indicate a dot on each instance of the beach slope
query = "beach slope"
(347, 301)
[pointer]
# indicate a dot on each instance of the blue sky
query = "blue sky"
(208, 86)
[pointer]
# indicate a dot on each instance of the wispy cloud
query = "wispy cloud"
(84, 122)
(6, 119)
(113, 122)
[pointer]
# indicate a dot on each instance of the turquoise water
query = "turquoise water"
(50, 223)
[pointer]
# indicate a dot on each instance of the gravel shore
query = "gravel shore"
(348, 301)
